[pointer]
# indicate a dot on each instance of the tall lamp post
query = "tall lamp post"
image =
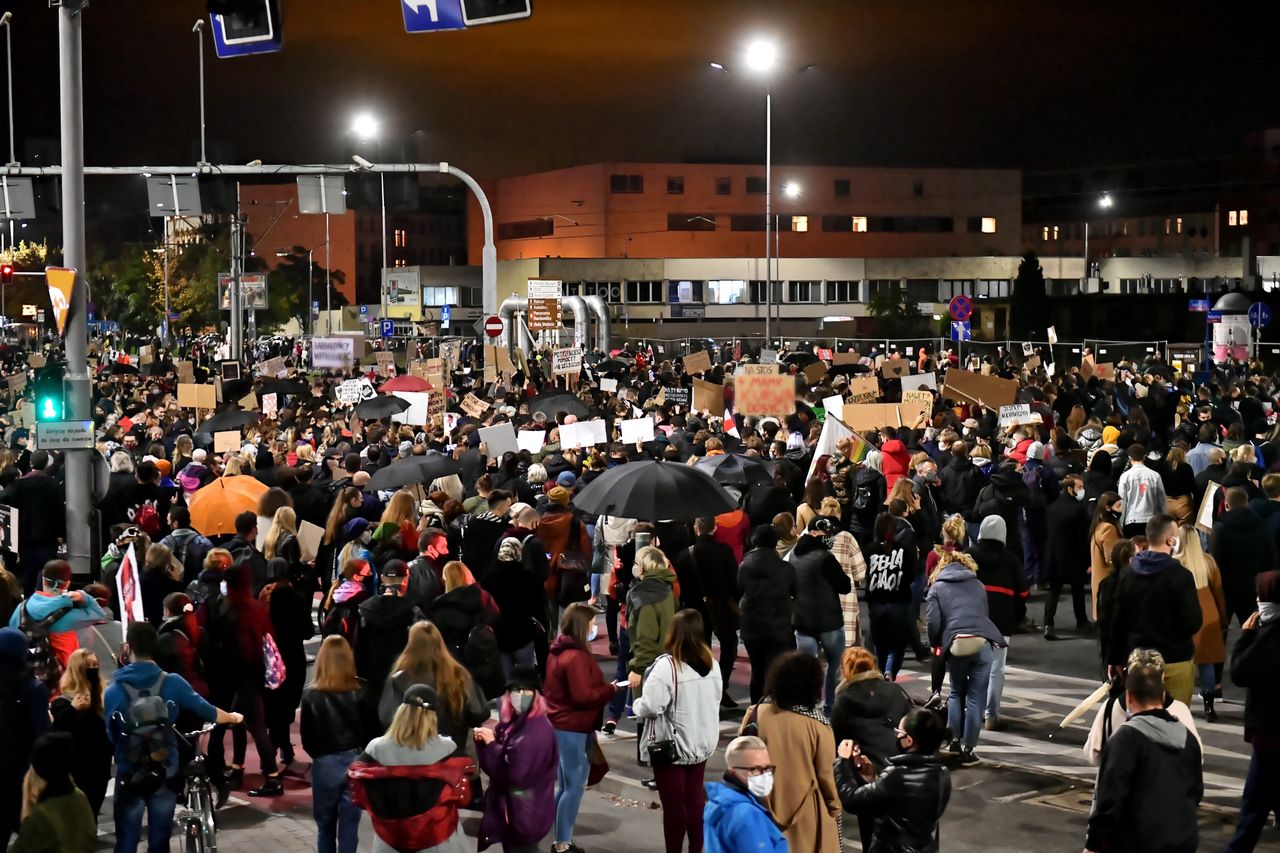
(1104, 202)
(366, 127)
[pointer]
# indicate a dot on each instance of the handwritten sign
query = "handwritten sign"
(697, 362)
(332, 353)
(386, 362)
(864, 389)
(918, 397)
(566, 361)
(474, 406)
(765, 395)
(227, 441)
(270, 405)
(920, 380)
(1019, 413)
(757, 370)
(895, 368)
(676, 396)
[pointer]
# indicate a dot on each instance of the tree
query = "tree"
(1028, 307)
(896, 315)
(288, 288)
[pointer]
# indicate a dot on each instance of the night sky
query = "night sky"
(1019, 83)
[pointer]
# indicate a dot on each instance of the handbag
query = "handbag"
(275, 671)
(598, 764)
(662, 753)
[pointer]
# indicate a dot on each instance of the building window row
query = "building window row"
(1237, 217)
(525, 229)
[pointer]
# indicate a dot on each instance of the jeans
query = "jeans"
(891, 628)
(683, 796)
(337, 818)
(1206, 679)
(832, 643)
(128, 809)
(571, 781)
(969, 678)
(761, 652)
(995, 689)
(1261, 797)
(619, 700)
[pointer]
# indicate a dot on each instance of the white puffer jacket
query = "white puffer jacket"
(697, 709)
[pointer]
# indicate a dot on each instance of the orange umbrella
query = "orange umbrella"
(215, 507)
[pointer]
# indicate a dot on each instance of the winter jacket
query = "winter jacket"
(42, 509)
(766, 587)
(891, 568)
(335, 721)
(736, 822)
(894, 462)
(466, 617)
(867, 711)
(1255, 666)
(431, 806)
(1008, 497)
(231, 645)
(177, 693)
(869, 490)
(1148, 788)
(521, 763)
(1067, 539)
(560, 530)
(575, 689)
(1005, 582)
(731, 530)
(58, 823)
(819, 584)
(1243, 546)
(62, 633)
(176, 651)
(957, 604)
(651, 605)
(456, 725)
(687, 695)
(961, 482)
(1154, 606)
(905, 802)
(1142, 491)
(383, 632)
(426, 582)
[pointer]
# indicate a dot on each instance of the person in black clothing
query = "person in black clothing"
(766, 500)
(908, 798)
(892, 565)
(1067, 553)
(766, 589)
(78, 711)
(244, 549)
(960, 481)
(1242, 546)
(161, 576)
(41, 506)
(713, 564)
(145, 502)
(818, 616)
(426, 573)
(308, 501)
(1008, 497)
(1006, 585)
(291, 627)
(480, 538)
(518, 593)
(24, 706)
(384, 627)
(1214, 472)
(1149, 781)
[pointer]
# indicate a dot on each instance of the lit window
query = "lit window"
(1055, 232)
(1231, 217)
(1244, 217)
(988, 225)
(1124, 228)
(858, 223)
(1168, 225)
(1178, 224)
(799, 223)
(1044, 234)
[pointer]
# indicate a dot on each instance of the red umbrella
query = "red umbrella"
(405, 383)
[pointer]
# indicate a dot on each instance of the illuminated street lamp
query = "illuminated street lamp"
(366, 127)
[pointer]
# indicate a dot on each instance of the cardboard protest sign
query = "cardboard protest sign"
(499, 439)
(815, 373)
(230, 370)
(895, 368)
(270, 405)
(912, 413)
(990, 391)
(227, 441)
(358, 346)
(386, 362)
(1105, 371)
(637, 429)
(191, 396)
(920, 380)
(185, 371)
(1086, 368)
(1019, 413)
(757, 370)
(272, 367)
(249, 402)
(845, 358)
(864, 389)
(505, 364)
(36, 360)
(697, 362)
(765, 395)
(17, 382)
(918, 397)
(309, 538)
(474, 406)
(1032, 363)
(1028, 348)
(707, 396)
(862, 417)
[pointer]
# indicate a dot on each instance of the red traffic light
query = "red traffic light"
(6, 273)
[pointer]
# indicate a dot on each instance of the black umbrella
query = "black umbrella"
(236, 389)
(802, 358)
(654, 491)
(730, 469)
(119, 369)
(847, 369)
(612, 365)
(160, 368)
(229, 420)
(555, 402)
(291, 387)
(382, 406)
(415, 469)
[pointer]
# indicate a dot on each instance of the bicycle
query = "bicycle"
(199, 830)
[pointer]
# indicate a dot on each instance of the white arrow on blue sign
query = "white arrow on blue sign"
(960, 331)
(1259, 315)
(425, 16)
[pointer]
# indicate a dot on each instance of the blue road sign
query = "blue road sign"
(109, 325)
(1198, 306)
(364, 309)
(960, 330)
(388, 328)
(1259, 315)
(1213, 317)
(444, 316)
(425, 16)
(244, 36)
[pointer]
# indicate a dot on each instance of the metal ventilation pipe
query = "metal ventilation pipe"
(507, 312)
(581, 319)
(602, 320)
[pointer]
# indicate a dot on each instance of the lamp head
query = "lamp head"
(761, 55)
(365, 126)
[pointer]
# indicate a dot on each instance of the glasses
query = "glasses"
(901, 734)
(756, 771)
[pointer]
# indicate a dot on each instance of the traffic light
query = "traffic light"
(50, 394)
(6, 273)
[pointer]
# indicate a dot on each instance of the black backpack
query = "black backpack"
(573, 568)
(148, 734)
(41, 657)
(190, 552)
(342, 620)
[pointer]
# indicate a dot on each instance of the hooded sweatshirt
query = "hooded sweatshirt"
(1155, 607)
(1149, 785)
(62, 633)
(651, 605)
(177, 693)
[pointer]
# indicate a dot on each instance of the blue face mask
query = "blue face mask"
(521, 701)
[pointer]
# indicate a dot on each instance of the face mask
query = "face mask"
(1268, 611)
(1173, 549)
(521, 702)
(1112, 515)
(366, 537)
(760, 786)
(92, 674)
(1080, 495)
(222, 587)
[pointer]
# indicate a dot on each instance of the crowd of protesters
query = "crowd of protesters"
(447, 604)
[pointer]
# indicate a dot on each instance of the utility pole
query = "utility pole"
(79, 471)
(237, 306)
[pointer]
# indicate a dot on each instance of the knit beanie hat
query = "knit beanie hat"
(559, 495)
(993, 527)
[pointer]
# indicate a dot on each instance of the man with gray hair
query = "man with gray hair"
(736, 817)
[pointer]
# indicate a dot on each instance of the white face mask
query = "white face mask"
(222, 587)
(521, 702)
(366, 537)
(1080, 495)
(1173, 549)
(760, 786)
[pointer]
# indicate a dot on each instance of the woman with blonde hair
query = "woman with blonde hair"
(465, 615)
(335, 726)
(55, 814)
(1210, 640)
(426, 660)
(1179, 484)
(282, 537)
(78, 712)
(413, 740)
(844, 547)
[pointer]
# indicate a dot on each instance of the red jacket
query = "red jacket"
(575, 689)
(732, 529)
(894, 462)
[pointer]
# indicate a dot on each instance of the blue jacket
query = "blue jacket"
(957, 604)
(176, 692)
(40, 606)
(733, 821)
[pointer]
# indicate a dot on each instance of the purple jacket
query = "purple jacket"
(519, 804)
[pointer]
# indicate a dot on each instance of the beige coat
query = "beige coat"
(1210, 646)
(804, 801)
(1105, 536)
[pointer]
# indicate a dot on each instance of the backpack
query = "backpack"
(573, 569)
(861, 497)
(148, 736)
(41, 657)
(147, 519)
(340, 620)
(190, 551)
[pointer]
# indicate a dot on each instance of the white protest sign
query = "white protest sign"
(583, 434)
(332, 352)
(349, 392)
(1053, 336)
(531, 439)
(917, 381)
(834, 404)
(1019, 413)
(499, 439)
(567, 360)
(270, 405)
(418, 412)
(637, 429)
(608, 386)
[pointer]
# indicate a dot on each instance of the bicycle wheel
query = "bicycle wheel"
(193, 835)
(201, 804)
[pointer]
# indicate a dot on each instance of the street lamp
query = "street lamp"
(365, 127)
(1105, 202)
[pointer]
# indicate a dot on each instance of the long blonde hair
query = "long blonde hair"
(75, 680)
(1192, 556)
(335, 666)
(426, 657)
(399, 509)
(413, 726)
(284, 521)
